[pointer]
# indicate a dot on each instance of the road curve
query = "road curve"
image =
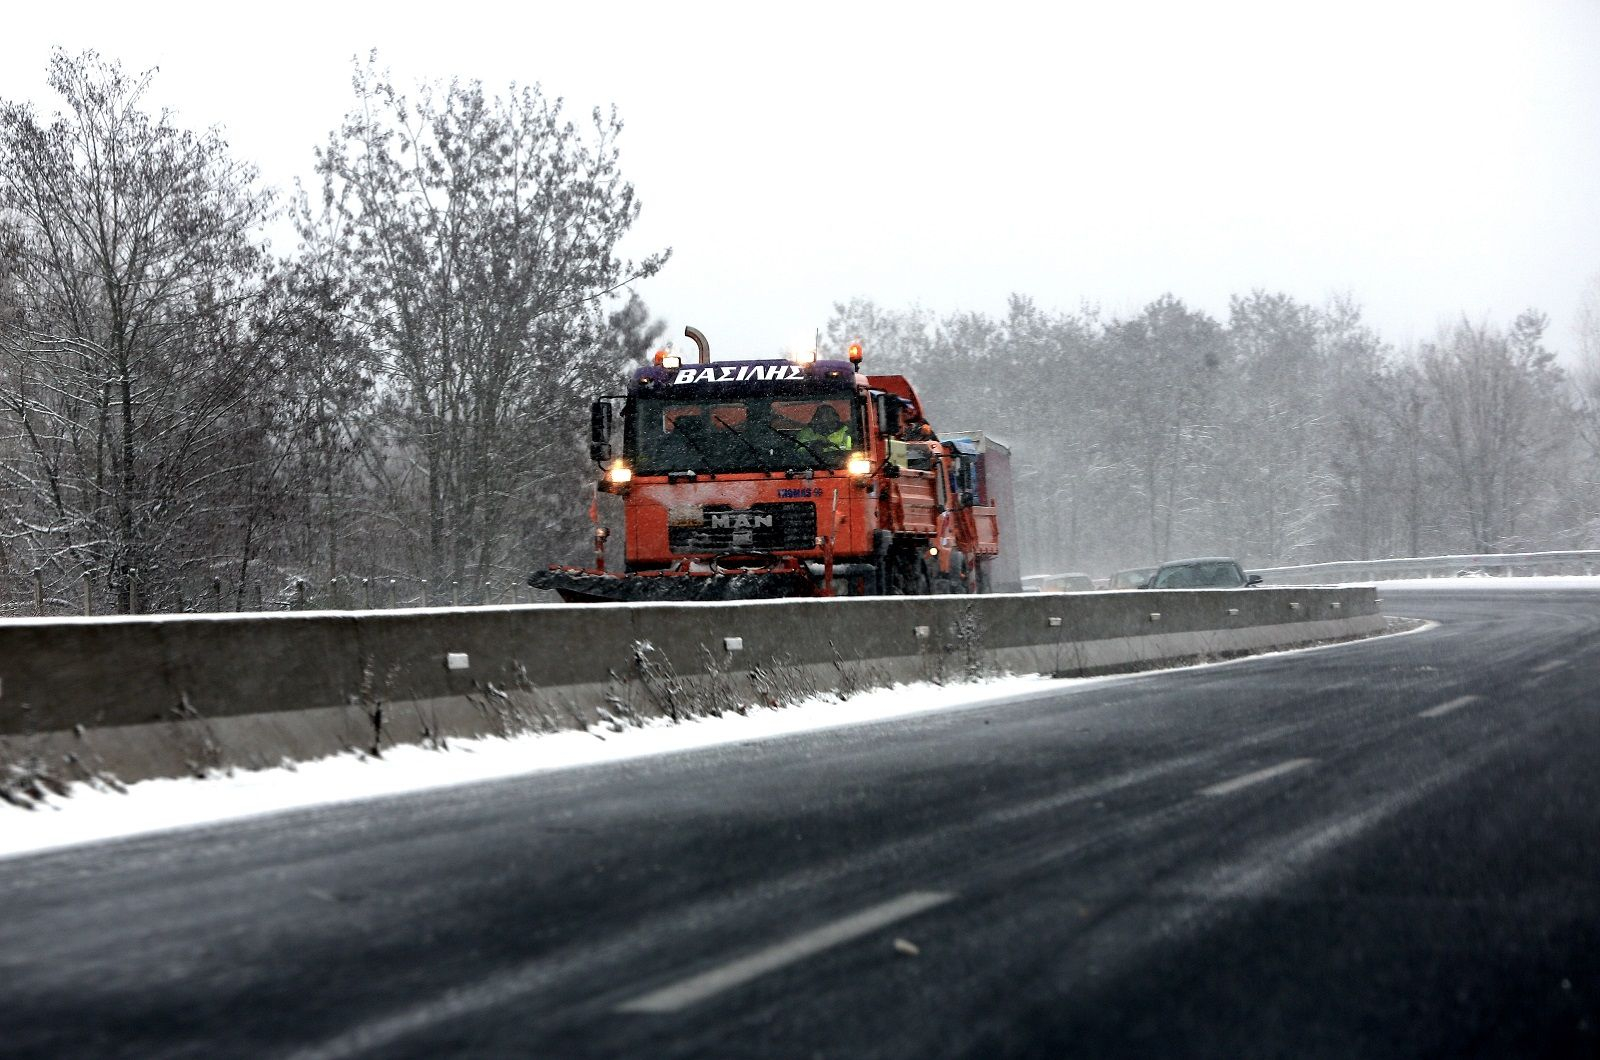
(1388, 847)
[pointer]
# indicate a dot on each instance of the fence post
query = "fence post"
(88, 593)
(391, 594)
(38, 592)
(260, 601)
(133, 591)
(299, 594)
(427, 601)
(366, 593)
(216, 594)
(455, 594)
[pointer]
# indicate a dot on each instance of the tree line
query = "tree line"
(1285, 433)
(189, 419)
(402, 397)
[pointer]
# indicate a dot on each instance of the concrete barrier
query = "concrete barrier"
(133, 698)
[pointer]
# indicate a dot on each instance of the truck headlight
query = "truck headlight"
(858, 465)
(620, 474)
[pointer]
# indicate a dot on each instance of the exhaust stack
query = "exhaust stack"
(700, 343)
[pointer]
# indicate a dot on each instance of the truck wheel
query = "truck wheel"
(958, 573)
(909, 573)
(881, 581)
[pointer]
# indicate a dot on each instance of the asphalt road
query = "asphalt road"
(1383, 848)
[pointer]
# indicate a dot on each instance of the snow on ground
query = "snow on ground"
(1478, 584)
(92, 814)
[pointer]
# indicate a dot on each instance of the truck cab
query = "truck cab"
(786, 477)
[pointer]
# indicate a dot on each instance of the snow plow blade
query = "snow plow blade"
(587, 587)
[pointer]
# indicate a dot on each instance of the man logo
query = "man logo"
(740, 521)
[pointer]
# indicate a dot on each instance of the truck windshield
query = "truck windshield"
(742, 434)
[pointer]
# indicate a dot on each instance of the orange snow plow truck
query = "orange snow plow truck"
(782, 478)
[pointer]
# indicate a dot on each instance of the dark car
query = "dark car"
(1132, 578)
(1212, 572)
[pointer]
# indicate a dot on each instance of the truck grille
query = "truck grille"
(763, 527)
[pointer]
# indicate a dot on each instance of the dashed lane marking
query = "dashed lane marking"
(707, 984)
(1450, 704)
(1547, 666)
(1228, 787)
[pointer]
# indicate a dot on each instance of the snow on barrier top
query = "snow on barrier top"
(1506, 563)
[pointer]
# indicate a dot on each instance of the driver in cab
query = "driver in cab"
(825, 430)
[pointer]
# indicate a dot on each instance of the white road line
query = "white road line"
(1552, 664)
(1228, 787)
(1448, 705)
(736, 973)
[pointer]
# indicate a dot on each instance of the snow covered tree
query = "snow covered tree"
(1500, 414)
(479, 235)
(131, 376)
(1165, 364)
(1277, 481)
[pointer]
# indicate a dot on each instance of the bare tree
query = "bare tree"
(131, 372)
(1278, 481)
(1360, 448)
(1586, 373)
(896, 340)
(479, 236)
(1166, 362)
(308, 493)
(1498, 398)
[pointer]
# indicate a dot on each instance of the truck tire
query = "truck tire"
(908, 573)
(953, 582)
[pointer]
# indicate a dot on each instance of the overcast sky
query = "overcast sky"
(1429, 159)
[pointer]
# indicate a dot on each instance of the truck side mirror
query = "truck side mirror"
(888, 415)
(600, 431)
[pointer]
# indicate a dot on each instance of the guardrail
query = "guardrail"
(138, 697)
(1507, 564)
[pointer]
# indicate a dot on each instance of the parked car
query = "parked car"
(1057, 583)
(1211, 572)
(1132, 578)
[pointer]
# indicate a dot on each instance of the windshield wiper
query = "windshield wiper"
(822, 461)
(731, 429)
(688, 436)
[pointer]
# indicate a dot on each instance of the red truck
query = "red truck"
(779, 478)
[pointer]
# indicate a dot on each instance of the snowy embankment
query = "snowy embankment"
(93, 813)
(1480, 583)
